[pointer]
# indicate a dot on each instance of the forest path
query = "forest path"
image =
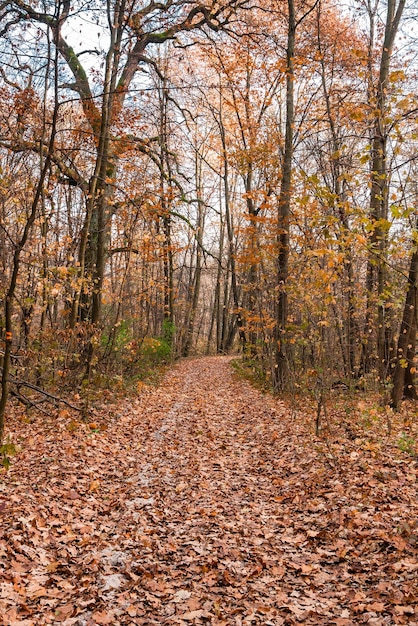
(203, 502)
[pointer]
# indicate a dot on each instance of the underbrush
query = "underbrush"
(251, 370)
(343, 414)
(82, 366)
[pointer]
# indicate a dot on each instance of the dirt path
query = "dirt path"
(204, 502)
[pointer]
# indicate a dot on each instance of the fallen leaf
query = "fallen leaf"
(64, 612)
(73, 495)
(52, 567)
(113, 581)
(181, 596)
(103, 617)
(131, 610)
(404, 610)
(191, 615)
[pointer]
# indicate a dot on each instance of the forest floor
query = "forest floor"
(203, 501)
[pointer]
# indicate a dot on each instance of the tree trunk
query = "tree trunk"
(19, 247)
(403, 377)
(198, 269)
(348, 343)
(231, 246)
(280, 374)
(379, 178)
(410, 390)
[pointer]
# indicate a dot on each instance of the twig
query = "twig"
(23, 383)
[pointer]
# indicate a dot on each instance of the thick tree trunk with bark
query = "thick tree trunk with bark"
(280, 373)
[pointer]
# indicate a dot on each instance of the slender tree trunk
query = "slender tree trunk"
(168, 272)
(198, 269)
(230, 237)
(216, 311)
(166, 212)
(410, 390)
(252, 270)
(252, 238)
(349, 344)
(223, 330)
(19, 247)
(403, 378)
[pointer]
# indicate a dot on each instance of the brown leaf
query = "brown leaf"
(53, 566)
(73, 495)
(404, 610)
(181, 596)
(36, 591)
(103, 617)
(64, 612)
(191, 615)
(278, 571)
(131, 610)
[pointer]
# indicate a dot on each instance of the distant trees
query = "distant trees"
(128, 30)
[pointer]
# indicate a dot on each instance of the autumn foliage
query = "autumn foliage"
(221, 178)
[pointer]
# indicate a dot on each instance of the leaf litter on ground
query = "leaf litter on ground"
(204, 501)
